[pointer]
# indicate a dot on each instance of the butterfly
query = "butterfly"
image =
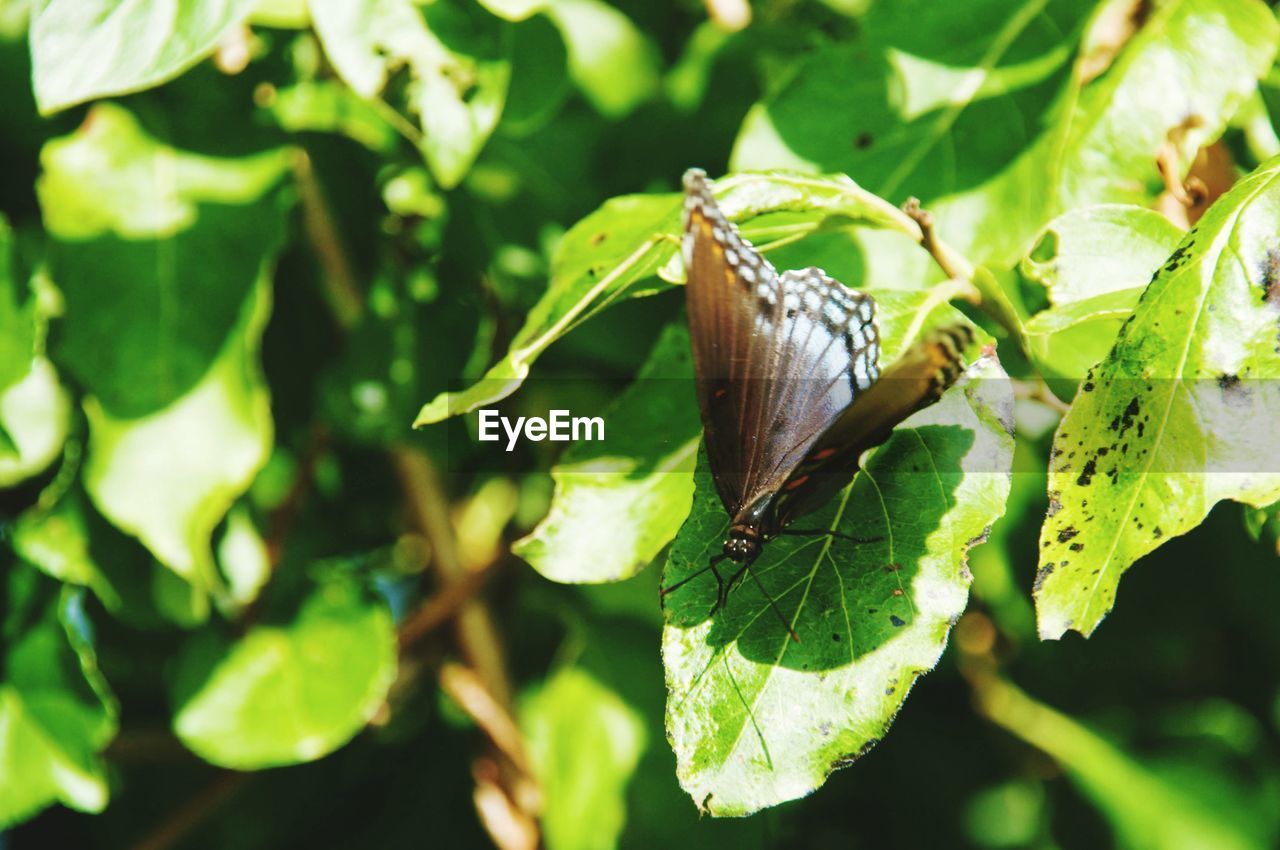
(788, 378)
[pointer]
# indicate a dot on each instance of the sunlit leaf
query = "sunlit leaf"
(610, 59)
(170, 477)
(288, 693)
(618, 503)
(324, 106)
(154, 251)
(35, 414)
(584, 742)
(757, 719)
(1177, 417)
(626, 241)
(984, 116)
(459, 63)
(86, 49)
(56, 714)
(1092, 263)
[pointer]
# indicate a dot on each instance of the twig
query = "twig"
(439, 609)
(342, 292)
(477, 635)
(952, 264)
(194, 811)
(1038, 390)
(465, 688)
(284, 517)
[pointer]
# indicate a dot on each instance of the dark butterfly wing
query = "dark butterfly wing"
(777, 357)
(914, 381)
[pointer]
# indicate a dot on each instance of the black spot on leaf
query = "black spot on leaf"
(1041, 574)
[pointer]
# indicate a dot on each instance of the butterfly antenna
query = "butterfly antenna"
(711, 565)
(772, 604)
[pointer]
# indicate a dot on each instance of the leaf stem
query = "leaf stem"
(952, 263)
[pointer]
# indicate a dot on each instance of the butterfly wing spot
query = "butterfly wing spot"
(823, 455)
(796, 482)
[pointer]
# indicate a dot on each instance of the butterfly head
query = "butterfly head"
(743, 543)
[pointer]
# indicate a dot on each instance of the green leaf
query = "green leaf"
(1177, 417)
(612, 62)
(56, 713)
(35, 414)
(17, 317)
(1093, 264)
(176, 239)
(458, 60)
(1145, 808)
(630, 238)
(56, 540)
(585, 743)
(618, 503)
(325, 106)
(170, 477)
(756, 719)
(86, 49)
(1039, 136)
(244, 558)
(289, 693)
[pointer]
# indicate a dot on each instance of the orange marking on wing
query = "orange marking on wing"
(824, 454)
(791, 485)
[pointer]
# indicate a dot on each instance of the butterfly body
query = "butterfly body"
(787, 371)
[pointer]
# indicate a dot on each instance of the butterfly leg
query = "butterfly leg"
(822, 532)
(720, 585)
(744, 570)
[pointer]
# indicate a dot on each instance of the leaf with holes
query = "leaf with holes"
(1179, 415)
(458, 58)
(1091, 264)
(757, 719)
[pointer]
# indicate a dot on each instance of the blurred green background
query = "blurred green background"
(244, 604)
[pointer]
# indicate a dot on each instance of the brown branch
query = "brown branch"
(441, 608)
(286, 515)
(342, 292)
(506, 795)
(463, 685)
(194, 811)
(428, 506)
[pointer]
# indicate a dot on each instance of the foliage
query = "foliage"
(246, 247)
